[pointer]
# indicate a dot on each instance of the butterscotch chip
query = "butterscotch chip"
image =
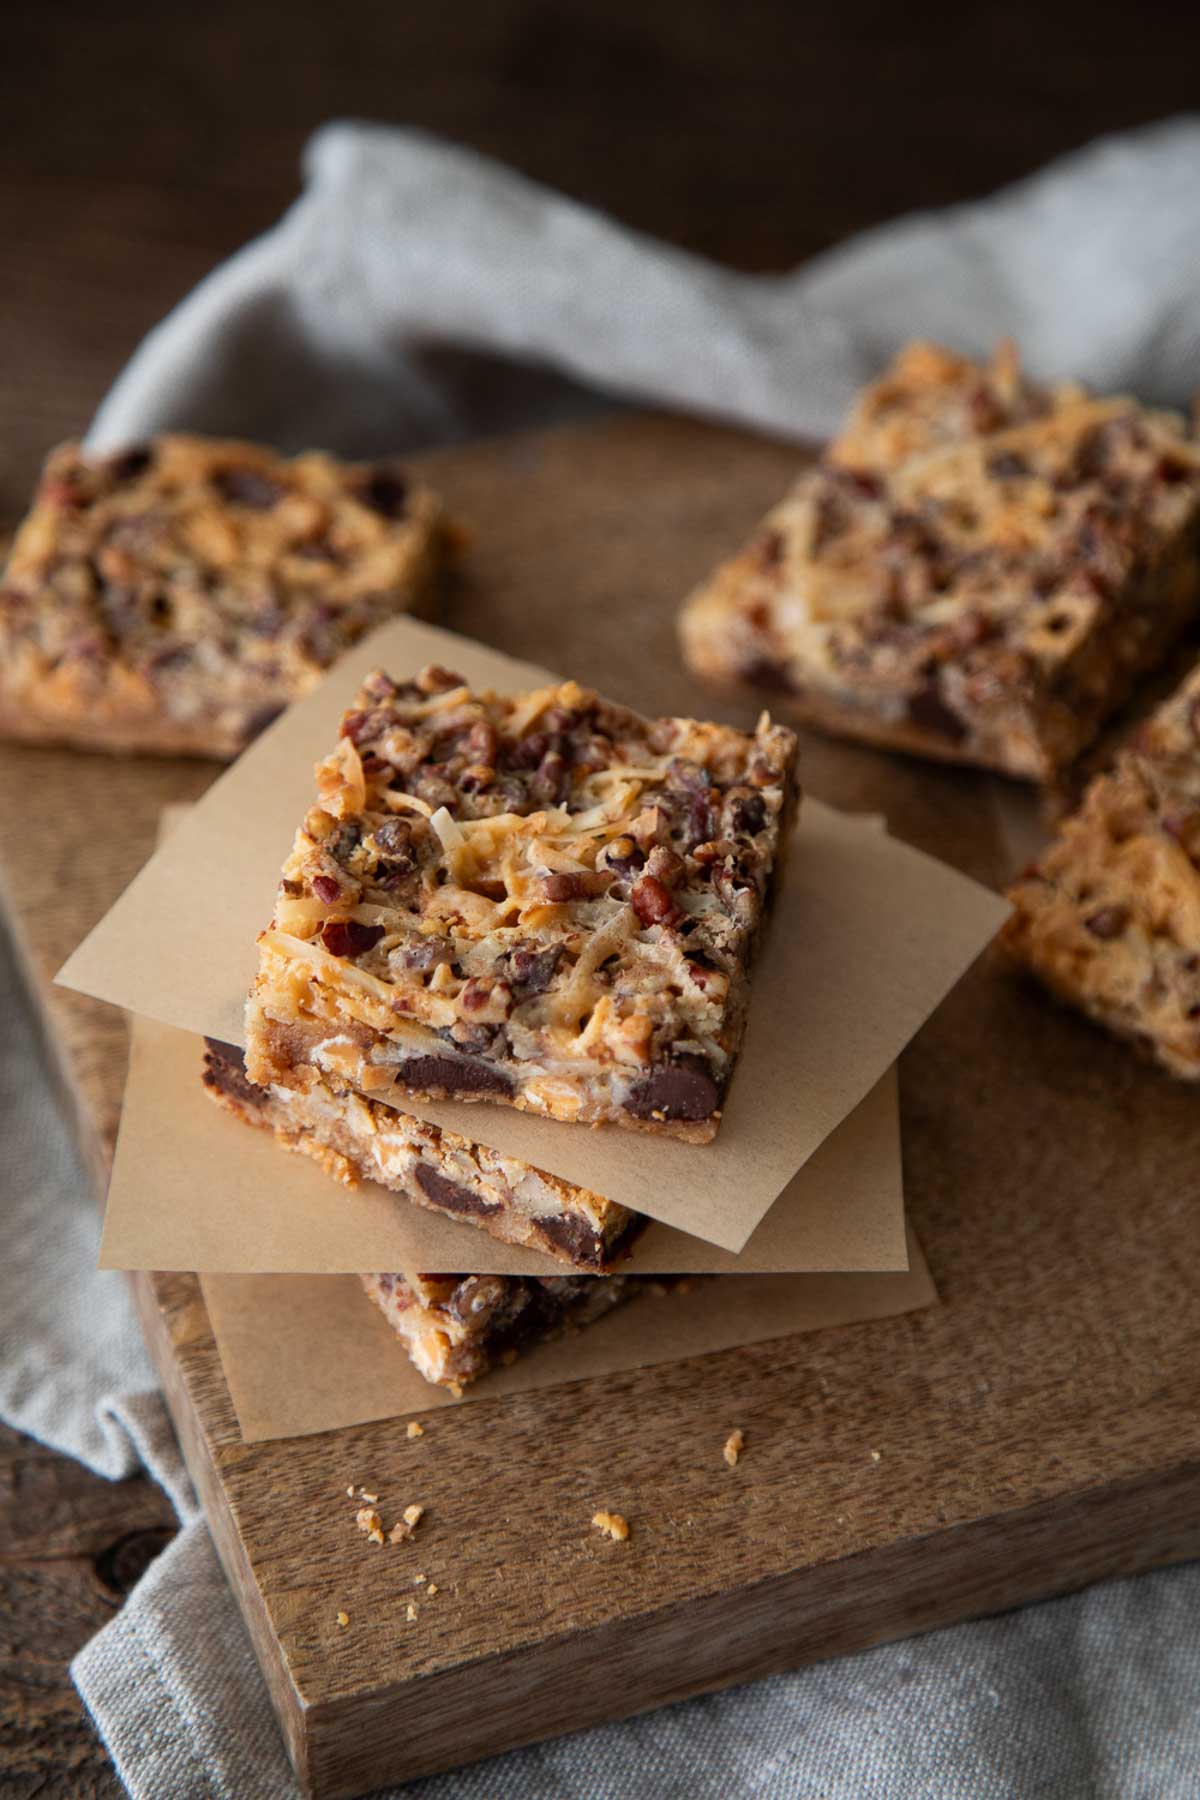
(176, 596)
(734, 1445)
(980, 568)
(611, 1524)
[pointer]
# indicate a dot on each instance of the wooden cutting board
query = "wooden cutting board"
(1037, 1431)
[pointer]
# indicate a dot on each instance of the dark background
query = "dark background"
(140, 143)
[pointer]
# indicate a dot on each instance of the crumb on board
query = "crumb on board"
(413, 1430)
(369, 1523)
(418, 1578)
(411, 1613)
(350, 1493)
(404, 1528)
(735, 1443)
(343, 1618)
(455, 1388)
(877, 1456)
(432, 1588)
(611, 1524)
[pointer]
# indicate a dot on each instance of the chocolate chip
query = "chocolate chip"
(452, 1196)
(326, 888)
(225, 1073)
(767, 672)
(348, 937)
(345, 840)
(684, 1089)
(1108, 922)
(746, 810)
(1007, 466)
(928, 712)
(451, 1075)
(131, 463)
(393, 836)
(530, 971)
(248, 487)
(385, 491)
(427, 954)
(578, 1241)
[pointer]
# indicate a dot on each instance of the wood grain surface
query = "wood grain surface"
(133, 157)
(1035, 1431)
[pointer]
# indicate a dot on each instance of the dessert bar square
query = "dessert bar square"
(357, 1139)
(175, 597)
(545, 901)
(979, 569)
(457, 1327)
(1109, 916)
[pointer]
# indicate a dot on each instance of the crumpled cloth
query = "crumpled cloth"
(415, 294)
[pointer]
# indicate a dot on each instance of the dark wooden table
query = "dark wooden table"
(140, 144)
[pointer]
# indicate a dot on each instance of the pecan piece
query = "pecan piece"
(652, 902)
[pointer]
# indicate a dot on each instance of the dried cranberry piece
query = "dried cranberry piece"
(349, 937)
(249, 488)
(326, 888)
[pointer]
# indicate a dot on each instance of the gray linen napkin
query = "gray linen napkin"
(388, 309)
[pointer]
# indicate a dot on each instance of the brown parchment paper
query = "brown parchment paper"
(867, 938)
(194, 1189)
(309, 1353)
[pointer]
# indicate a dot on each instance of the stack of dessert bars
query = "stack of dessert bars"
(542, 901)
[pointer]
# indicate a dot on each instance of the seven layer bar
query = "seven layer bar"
(175, 596)
(1109, 915)
(545, 902)
(979, 569)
